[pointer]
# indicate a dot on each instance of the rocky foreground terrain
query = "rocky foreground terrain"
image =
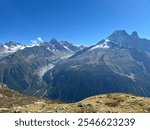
(12, 102)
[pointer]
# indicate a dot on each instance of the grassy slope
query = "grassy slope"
(11, 101)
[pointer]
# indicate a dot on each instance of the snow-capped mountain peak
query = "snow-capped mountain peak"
(55, 47)
(105, 44)
(9, 48)
(54, 41)
(12, 46)
(11, 43)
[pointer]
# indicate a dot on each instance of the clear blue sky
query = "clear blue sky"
(78, 21)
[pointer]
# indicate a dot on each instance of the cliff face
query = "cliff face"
(11, 101)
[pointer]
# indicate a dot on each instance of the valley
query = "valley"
(60, 70)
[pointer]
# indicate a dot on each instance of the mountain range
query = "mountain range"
(119, 63)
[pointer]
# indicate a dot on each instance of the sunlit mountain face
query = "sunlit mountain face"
(119, 63)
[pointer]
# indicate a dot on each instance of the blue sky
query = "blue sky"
(77, 21)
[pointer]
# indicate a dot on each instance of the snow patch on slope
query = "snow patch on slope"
(131, 76)
(33, 45)
(103, 45)
(44, 93)
(66, 48)
(41, 71)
